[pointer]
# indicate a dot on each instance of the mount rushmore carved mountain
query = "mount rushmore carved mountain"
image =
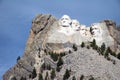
(64, 49)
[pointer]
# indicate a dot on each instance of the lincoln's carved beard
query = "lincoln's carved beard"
(65, 21)
(75, 25)
(83, 30)
(96, 31)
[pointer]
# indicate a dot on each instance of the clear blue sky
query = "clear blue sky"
(16, 17)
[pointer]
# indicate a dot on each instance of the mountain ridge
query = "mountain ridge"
(45, 36)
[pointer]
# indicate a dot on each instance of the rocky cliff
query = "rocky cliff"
(48, 36)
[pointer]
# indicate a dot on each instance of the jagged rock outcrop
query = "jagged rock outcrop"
(46, 35)
(38, 33)
(114, 32)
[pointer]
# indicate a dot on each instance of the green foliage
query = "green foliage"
(66, 75)
(93, 44)
(73, 78)
(92, 78)
(82, 77)
(40, 77)
(114, 62)
(30, 76)
(46, 77)
(74, 47)
(46, 66)
(114, 54)
(62, 54)
(70, 51)
(43, 66)
(14, 78)
(53, 75)
(118, 56)
(23, 78)
(88, 47)
(18, 58)
(108, 58)
(103, 47)
(54, 56)
(34, 74)
(109, 50)
(60, 62)
(45, 51)
(58, 68)
(82, 44)
(106, 54)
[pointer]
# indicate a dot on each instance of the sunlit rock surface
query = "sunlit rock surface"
(49, 34)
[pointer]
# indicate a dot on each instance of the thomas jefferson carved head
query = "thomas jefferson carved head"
(75, 25)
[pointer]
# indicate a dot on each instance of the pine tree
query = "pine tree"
(88, 47)
(82, 44)
(109, 50)
(14, 78)
(103, 47)
(93, 44)
(58, 68)
(106, 55)
(18, 58)
(62, 54)
(23, 78)
(54, 56)
(73, 78)
(114, 54)
(34, 74)
(92, 78)
(53, 75)
(43, 66)
(46, 77)
(66, 75)
(40, 77)
(48, 67)
(70, 51)
(118, 56)
(82, 77)
(60, 62)
(74, 47)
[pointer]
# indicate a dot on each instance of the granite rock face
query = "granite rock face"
(114, 32)
(46, 35)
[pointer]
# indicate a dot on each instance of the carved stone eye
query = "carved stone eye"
(66, 18)
(82, 29)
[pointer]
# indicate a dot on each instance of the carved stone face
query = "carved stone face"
(87, 33)
(95, 30)
(83, 30)
(75, 25)
(65, 21)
